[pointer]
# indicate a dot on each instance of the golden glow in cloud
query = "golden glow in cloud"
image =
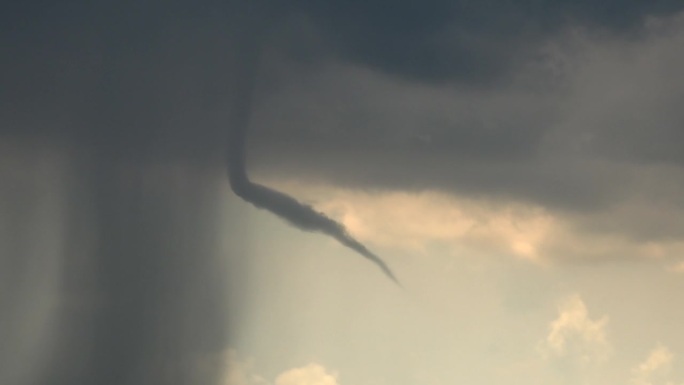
(678, 268)
(414, 221)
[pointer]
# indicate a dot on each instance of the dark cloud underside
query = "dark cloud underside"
(136, 95)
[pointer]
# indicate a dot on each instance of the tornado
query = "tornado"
(282, 205)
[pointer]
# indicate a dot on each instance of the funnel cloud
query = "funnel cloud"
(298, 214)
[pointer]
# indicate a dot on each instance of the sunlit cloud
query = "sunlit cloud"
(655, 369)
(240, 371)
(311, 374)
(573, 334)
(415, 221)
(677, 268)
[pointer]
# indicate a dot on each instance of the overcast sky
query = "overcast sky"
(518, 165)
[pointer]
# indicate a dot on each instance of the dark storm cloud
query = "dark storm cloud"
(121, 87)
(124, 78)
(172, 56)
(466, 41)
(589, 132)
(140, 75)
(368, 131)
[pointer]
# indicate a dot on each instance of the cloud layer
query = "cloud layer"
(585, 132)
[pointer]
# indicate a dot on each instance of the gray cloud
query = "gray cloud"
(588, 131)
(471, 42)
(470, 98)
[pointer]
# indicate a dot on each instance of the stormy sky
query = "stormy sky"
(517, 164)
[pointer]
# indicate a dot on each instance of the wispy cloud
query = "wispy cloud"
(677, 268)
(655, 368)
(238, 371)
(573, 334)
